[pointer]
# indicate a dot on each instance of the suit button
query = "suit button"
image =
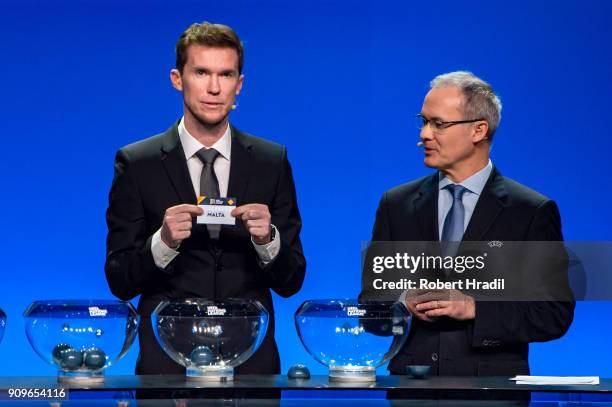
(218, 266)
(434, 357)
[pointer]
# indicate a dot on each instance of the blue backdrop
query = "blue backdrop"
(335, 81)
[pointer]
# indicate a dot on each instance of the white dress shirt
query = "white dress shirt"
(162, 254)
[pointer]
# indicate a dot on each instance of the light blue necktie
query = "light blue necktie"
(452, 232)
(455, 219)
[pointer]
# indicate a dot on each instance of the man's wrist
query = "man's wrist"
(162, 253)
(268, 252)
(168, 245)
(270, 239)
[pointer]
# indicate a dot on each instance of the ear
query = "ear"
(480, 131)
(239, 84)
(176, 79)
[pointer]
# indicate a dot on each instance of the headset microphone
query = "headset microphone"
(420, 144)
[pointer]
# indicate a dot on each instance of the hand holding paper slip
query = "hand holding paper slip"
(216, 211)
(556, 380)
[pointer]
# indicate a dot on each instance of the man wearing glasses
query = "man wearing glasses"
(468, 199)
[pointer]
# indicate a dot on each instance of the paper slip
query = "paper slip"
(556, 380)
(217, 211)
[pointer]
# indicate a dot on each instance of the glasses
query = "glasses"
(439, 125)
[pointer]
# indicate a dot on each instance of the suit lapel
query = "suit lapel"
(240, 166)
(175, 164)
(425, 206)
(488, 207)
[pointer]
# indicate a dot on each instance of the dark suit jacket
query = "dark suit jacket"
(496, 342)
(151, 176)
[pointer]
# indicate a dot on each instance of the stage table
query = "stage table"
(318, 390)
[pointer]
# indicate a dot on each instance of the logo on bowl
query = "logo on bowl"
(355, 312)
(97, 312)
(214, 310)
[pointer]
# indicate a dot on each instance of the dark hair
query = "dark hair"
(212, 35)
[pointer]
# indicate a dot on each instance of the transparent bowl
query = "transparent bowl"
(81, 337)
(210, 338)
(352, 338)
(2, 323)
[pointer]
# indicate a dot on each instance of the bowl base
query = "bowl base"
(79, 378)
(210, 374)
(352, 374)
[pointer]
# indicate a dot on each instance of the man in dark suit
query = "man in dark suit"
(467, 199)
(153, 247)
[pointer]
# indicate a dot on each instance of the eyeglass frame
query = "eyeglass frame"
(446, 124)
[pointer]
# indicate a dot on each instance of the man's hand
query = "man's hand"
(412, 300)
(256, 218)
(432, 304)
(177, 224)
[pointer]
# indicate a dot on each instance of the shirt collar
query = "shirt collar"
(474, 184)
(191, 145)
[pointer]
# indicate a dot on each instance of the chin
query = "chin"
(209, 120)
(431, 162)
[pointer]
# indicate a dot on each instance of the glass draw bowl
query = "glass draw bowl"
(210, 338)
(81, 337)
(352, 338)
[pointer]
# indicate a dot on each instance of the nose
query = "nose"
(213, 85)
(426, 133)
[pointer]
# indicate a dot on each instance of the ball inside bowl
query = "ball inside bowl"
(71, 359)
(418, 371)
(57, 351)
(94, 358)
(202, 356)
